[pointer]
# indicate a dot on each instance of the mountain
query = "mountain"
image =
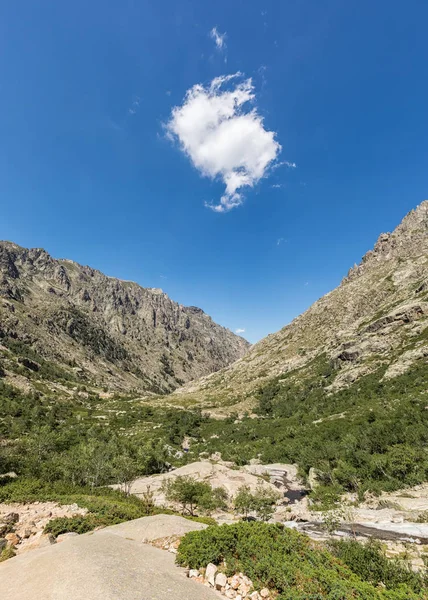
(377, 317)
(63, 321)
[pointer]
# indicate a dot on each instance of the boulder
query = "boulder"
(210, 572)
(193, 573)
(220, 581)
(12, 539)
(313, 478)
(10, 518)
(244, 588)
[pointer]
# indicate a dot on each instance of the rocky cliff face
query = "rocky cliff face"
(105, 331)
(378, 316)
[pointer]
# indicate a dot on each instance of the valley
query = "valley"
(118, 405)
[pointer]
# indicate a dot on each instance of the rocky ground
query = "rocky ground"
(115, 563)
(215, 473)
(22, 525)
(394, 518)
(100, 331)
(238, 586)
(399, 519)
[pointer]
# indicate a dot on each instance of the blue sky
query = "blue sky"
(96, 166)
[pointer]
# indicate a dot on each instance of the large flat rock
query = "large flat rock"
(216, 474)
(110, 564)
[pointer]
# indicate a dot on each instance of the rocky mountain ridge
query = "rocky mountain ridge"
(100, 329)
(377, 317)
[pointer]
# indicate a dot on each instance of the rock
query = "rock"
(255, 596)
(210, 572)
(313, 480)
(234, 582)
(264, 593)
(230, 593)
(10, 518)
(29, 364)
(65, 536)
(244, 588)
(216, 456)
(12, 539)
(193, 573)
(10, 475)
(40, 540)
(220, 581)
(63, 300)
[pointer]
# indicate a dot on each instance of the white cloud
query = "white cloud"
(223, 138)
(219, 38)
(285, 163)
(238, 331)
(134, 106)
(279, 241)
(277, 186)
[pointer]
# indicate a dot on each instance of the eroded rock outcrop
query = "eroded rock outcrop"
(117, 333)
(376, 318)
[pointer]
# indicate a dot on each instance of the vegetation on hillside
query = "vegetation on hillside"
(370, 436)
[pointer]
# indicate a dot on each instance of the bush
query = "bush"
(214, 499)
(244, 501)
(105, 506)
(283, 560)
(7, 553)
(370, 563)
(191, 493)
(79, 524)
(262, 502)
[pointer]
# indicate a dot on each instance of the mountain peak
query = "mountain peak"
(376, 317)
(118, 333)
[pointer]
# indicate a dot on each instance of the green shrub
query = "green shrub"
(371, 564)
(191, 493)
(105, 506)
(261, 502)
(7, 553)
(78, 524)
(244, 501)
(282, 560)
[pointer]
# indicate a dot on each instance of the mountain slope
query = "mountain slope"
(61, 320)
(377, 316)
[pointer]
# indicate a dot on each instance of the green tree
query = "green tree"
(125, 471)
(264, 502)
(244, 501)
(187, 491)
(214, 499)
